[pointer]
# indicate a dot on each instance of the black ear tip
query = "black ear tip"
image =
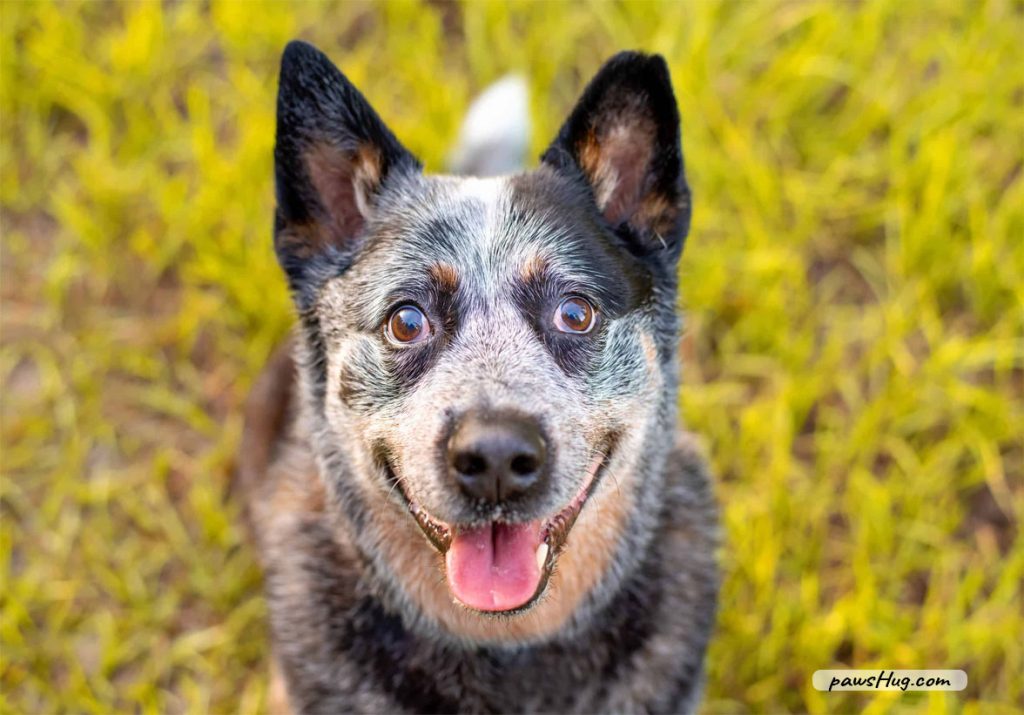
(298, 50)
(637, 59)
(299, 56)
(658, 65)
(638, 66)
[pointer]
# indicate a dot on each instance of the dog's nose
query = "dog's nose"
(496, 457)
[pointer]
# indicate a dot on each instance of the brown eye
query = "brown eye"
(407, 325)
(575, 315)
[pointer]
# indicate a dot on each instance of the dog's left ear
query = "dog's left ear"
(623, 139)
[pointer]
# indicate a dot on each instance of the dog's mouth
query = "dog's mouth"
(502, 566)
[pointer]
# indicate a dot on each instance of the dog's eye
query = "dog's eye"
(575, 315)
(407, 325)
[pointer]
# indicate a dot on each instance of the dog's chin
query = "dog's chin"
(503, 567)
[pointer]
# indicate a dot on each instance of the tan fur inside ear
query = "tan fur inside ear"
(303, 240)
(658, 214)
(344, 181)
(617, 161)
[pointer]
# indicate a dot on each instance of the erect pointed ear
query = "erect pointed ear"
(623, 138)
(332, 157)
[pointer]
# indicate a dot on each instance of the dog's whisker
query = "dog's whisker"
(399, 480)
(615, 480)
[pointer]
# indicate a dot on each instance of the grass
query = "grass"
(854, 359)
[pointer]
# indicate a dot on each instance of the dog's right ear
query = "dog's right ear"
(332, 157)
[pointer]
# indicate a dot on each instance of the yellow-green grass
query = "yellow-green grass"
(854, 358)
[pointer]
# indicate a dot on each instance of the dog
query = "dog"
(464, 475)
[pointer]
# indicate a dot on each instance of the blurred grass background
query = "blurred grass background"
(854, 359)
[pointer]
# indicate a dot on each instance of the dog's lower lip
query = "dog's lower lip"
(554, 531)
(438, 533)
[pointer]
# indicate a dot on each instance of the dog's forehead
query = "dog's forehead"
(483, 237)
(483, 228)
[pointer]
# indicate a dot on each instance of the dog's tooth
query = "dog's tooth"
(542, 554)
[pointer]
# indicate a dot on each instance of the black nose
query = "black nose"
(496, 457)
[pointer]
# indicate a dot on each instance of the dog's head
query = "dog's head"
(489, 363)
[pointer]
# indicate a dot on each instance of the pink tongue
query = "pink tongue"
(494, 568)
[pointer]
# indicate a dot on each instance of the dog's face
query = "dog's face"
(489, 362)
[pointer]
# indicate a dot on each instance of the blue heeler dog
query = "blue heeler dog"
(465, 477)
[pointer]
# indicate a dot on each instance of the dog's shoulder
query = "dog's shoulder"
(307, 568)
(276, 477)
(689, 471)
(690, 529)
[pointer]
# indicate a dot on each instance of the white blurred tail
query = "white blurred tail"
(495, 134)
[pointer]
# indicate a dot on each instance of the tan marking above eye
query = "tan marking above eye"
(533, 269)
(446, 276)
(575, 315)
(406, 325)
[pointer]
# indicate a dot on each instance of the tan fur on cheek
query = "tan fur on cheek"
(650, 351)
(592, 542)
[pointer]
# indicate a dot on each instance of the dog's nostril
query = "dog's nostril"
(524, 464)
(470, 464)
